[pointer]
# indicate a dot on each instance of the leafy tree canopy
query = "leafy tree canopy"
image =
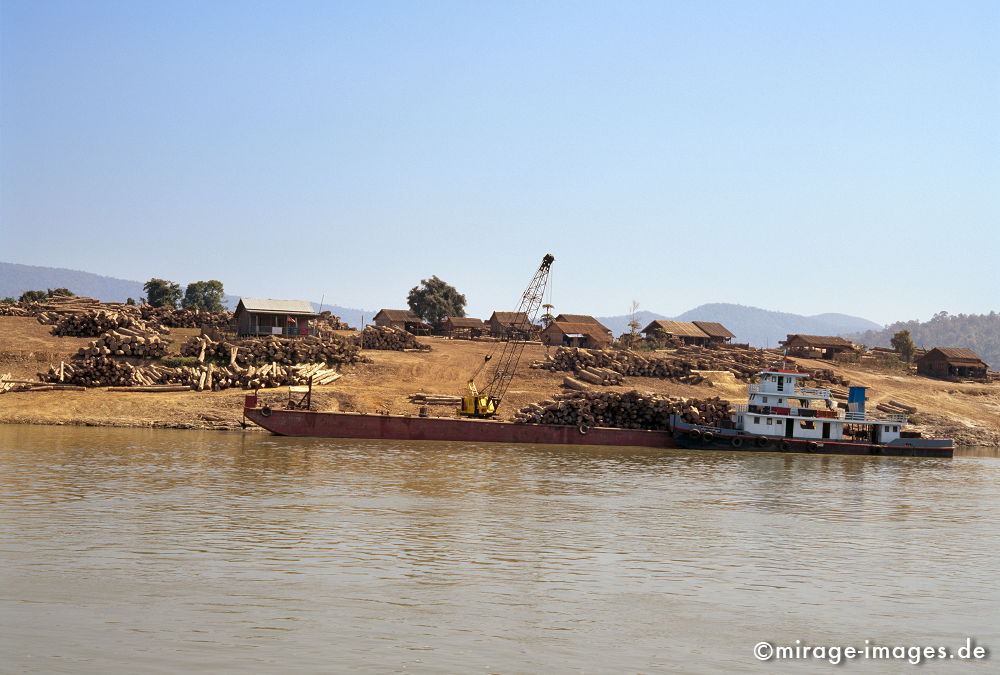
(205, 296)
(41, 296)
(903, 345)
(162, 293)
(435, 300)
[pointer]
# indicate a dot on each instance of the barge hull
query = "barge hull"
(400, 427)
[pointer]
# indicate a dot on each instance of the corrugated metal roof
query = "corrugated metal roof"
(677, 328)
(714, 329)
(581, 318)
(298, 307)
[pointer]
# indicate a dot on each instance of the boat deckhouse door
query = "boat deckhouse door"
(789, 428)
(781, 383)
(826, 430)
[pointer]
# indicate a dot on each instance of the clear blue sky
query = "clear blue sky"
(800, 156)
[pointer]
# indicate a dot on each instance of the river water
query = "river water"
(126, 550)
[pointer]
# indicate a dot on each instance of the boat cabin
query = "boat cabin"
(778, 406)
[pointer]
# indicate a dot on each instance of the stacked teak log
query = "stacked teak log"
(288, 351)
(628, 410)
(390, 339)
(104, 371)
(676, 365)
(126, 342)
(185, 318)
(94, 323)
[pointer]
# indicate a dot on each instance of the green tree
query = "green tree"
(33, 296)
(205, 296)
(162, 293)
(435, 300)
(60, 292)
(903, 345)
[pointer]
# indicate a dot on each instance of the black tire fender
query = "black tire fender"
(760, 442)
(786, 445)
(694, 435)
(583, 429)
(265, 411)
(736, 442)
(708, 437)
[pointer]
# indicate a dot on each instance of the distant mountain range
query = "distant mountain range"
(760, 327)
(15, 279)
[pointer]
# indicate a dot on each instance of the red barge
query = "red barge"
(409, 428)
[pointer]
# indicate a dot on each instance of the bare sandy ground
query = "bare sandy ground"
(968, 412)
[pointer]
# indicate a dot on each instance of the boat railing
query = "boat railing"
(740, 407)
(756, 388)
(873, 417)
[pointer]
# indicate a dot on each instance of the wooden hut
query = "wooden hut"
(716, 332)
(585, 318)
(952, 362)
(395, 318)
(506, 324)
(824, 346)
(264, 316)
(572, 334)
(685, 331)
(463, 327)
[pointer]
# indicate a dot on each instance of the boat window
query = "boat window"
(765, 399)
(768, 420)
(781, 400)
(756, 420)
(807, 424)
(887, 428)
(895, 428)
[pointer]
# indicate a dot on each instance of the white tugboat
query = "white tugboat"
(782, 416)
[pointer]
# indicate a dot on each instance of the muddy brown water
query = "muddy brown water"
(125, 550)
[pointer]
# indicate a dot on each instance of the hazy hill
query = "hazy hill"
(978, 332)
(760, 327)
(15, 279)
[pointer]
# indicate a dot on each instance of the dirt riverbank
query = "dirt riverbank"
(970, 413)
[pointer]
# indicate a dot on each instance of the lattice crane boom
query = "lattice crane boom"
(485, 403)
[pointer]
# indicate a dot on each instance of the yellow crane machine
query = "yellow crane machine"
(485, 403)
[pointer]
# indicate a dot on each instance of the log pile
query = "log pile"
(287, 351)
(126, 342)
(628, 410)
(896, 408)
(185, 318)
(94, 323)
(623, 362)
(14, 309)
(389, 339)
(825, 377)
(103, 371)
(327, 321)
(435, 399)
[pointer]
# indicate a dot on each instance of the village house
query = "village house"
(507, 324)
(824, 346)
(463, 327)
(585, 318)
(396, 318)
(685, 331)
(264, 316)
(954, 362)
(590, 335)
(716, 332)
